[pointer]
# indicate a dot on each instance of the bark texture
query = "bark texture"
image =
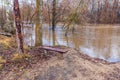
(18, 26)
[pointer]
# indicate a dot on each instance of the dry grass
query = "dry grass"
(1, 66)
(20, 57)
(2, 60)
(6, 41)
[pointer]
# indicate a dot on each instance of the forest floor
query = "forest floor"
(38, 64)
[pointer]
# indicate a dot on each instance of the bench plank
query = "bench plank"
(54, 49)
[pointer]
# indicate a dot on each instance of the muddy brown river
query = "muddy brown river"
(100, 41)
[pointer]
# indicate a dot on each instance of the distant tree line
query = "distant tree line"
(104, 11)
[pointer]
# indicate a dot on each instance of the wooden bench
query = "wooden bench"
(54, 49)
(59, 54)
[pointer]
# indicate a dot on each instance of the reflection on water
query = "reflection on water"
(101, 41)
(29, 35)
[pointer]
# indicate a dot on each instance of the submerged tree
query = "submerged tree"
(38, 28)
(18, 26)
(54, 15)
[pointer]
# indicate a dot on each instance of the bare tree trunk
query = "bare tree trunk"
(53, 38)
(18, 26)
(48, 13)
(38, 28)
(54, 15)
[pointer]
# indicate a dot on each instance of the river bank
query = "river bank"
(41, 65)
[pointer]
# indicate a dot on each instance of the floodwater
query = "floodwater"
(100, 41)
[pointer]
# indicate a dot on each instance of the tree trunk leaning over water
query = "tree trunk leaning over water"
(18, 26)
